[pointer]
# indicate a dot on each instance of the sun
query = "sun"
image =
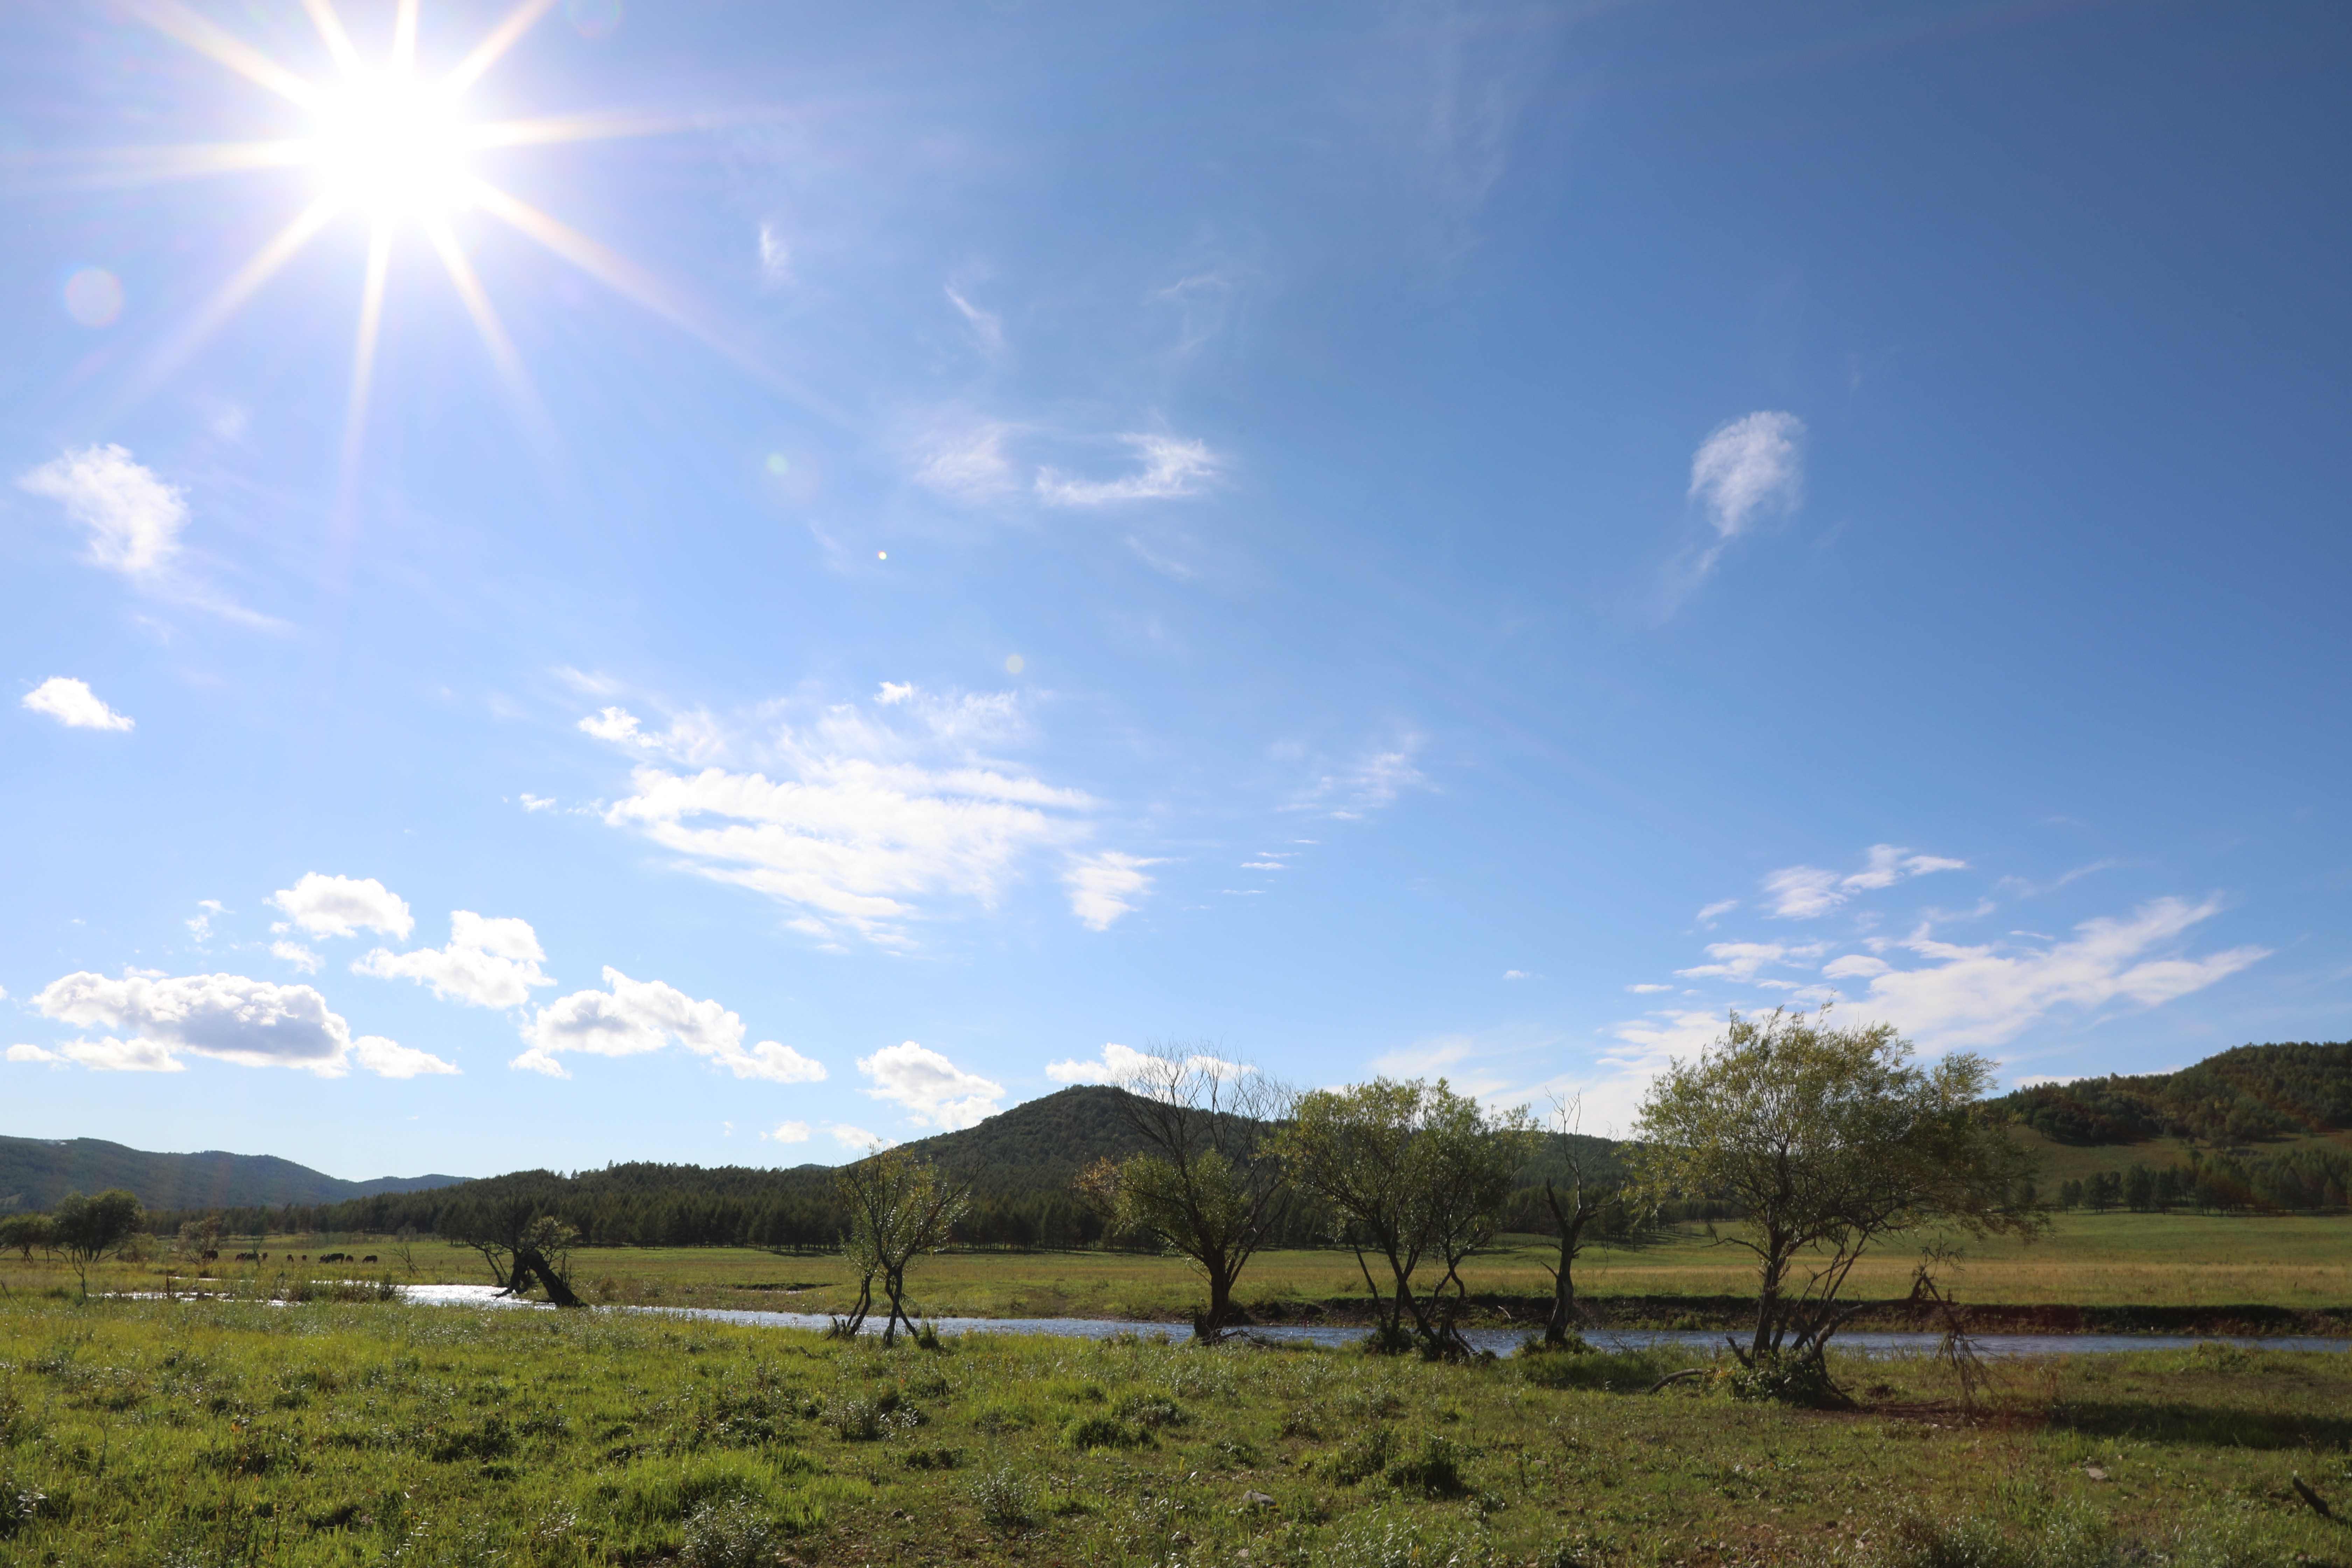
(392, 148)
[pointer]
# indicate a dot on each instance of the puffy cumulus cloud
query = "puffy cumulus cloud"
(932, 1091)
(74, 705)
(1170, 468)
(1751, 466)
(1808, 892)
(343, 906)
(1106, 886)
(857, 1138)
(135, 518)
(635, 1017)
(487, 963)
(147, 1020)
(1975, 996)
(788, 1132)
(295, 953)
(865, 817)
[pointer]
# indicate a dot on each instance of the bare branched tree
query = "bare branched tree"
(1207, 1183)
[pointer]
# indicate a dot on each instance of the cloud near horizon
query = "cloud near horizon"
(932, 1091)
(487, 963)
(637, 1016)
(147, 1020)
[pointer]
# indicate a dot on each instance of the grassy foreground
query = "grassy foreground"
(222, 1432)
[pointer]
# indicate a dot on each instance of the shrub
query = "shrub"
(1004, 1498)
(1366, 1454)
(1083, 1432)
(1433, 1466)
(729, 1533)
(1151, 1410)
(855, 1420)
(1777, 1378)
(1617, 1371)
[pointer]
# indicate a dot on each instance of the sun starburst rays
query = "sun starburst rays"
(391, 145)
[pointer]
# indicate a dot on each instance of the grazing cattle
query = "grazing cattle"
(248, 1257)
(369, 1258)
(208, 1255)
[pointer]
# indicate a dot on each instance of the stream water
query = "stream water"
(1502, 1342)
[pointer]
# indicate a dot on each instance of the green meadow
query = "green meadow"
(2300, 1262)
(225, 1432)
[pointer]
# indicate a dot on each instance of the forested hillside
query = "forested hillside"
(1021, 1164)
(35, 1172)
(2241, 1096)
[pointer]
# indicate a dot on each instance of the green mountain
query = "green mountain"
(35, 1172)
(2249, 1095)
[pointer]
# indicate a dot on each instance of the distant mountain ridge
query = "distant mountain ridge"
(2246, 1095)
(35, 1172)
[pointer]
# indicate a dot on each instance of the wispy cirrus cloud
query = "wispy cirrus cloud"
(134, 520)
(866, 819)
(1807, 892)
(1170, 468)
(1745, 470)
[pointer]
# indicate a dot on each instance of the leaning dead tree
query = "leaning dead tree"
(1587, 1195)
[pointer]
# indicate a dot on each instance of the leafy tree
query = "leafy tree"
(899, 1204)
(90, 1230)
(1829, 1141)
(1413, 1172)
(1574, 1205)
(1207, 1184)
(520, 1241)
(27, 1231)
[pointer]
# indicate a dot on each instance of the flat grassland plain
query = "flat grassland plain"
(220, 1432)
(2120, 1259)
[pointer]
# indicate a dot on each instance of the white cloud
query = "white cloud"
(1375, 780)
(200, 927)
(1856, 966)
(987, 326)
(135, 518)
(487, 963)
(1808, 892)
(640, 1016)
(1170, 469)
(1969, 997)
(342, 906)
(228, 1017)
(788, 1132)
(1104, 887)
(931, 1089)
(295, 953)
(857, 1138)
(1648, 989)
(862, 813)
(73, 704)
(776, 256)
(1747, 466)
(21, 1053)
(387, 1059)
(965, 464)
(1741, 961)
(1515, 975)
(1713, 911)
(893, 692)
(1117, 1064)
(536, 802)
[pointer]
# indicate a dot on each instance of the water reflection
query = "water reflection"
(1502, 1342)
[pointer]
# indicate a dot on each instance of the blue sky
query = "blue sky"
(748, 578)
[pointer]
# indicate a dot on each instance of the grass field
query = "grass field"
(206, 1435)
(2092, 1260)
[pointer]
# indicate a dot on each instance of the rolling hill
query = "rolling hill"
(35, 1172)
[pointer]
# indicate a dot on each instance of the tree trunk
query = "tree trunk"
(1210, 1326)
(528, 1262)
(1571, 1217)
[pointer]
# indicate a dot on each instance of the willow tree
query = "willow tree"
(1206, 1182)
(898, 1205)
(1414, 1175)
(1828, 1142)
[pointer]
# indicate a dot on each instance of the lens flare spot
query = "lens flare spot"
(592, 18)
(1014, 664)
(94, 297)
(779, 464)
(881, 555)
